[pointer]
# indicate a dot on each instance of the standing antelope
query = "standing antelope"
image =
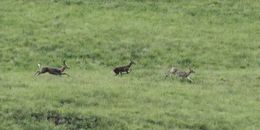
(121, 69)
(53, 70)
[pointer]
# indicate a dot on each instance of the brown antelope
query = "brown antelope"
(122, 69)
(53, 70)
(184, 75)
(180, 73)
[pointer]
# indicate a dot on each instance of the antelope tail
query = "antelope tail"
(39, 66)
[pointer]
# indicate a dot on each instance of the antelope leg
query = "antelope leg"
(37, 73)
(65, 74)
(189, 79)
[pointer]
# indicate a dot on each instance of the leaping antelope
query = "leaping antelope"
(184, 75)
(122, 69)
(179, 73)
(52, 70)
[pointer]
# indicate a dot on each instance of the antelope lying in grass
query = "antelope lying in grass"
(123, 69)
(180, 73)
(53, 70)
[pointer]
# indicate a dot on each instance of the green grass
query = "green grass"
(219, 39)
(216, 100)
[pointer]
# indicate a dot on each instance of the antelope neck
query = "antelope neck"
(130, 64)
(62, 69)
(189, 73)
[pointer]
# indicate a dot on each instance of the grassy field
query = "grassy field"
(219, 39)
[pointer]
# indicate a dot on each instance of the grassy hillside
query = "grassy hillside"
(206, 34)
(218, 38)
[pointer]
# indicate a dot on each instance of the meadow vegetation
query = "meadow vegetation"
(219, 39)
